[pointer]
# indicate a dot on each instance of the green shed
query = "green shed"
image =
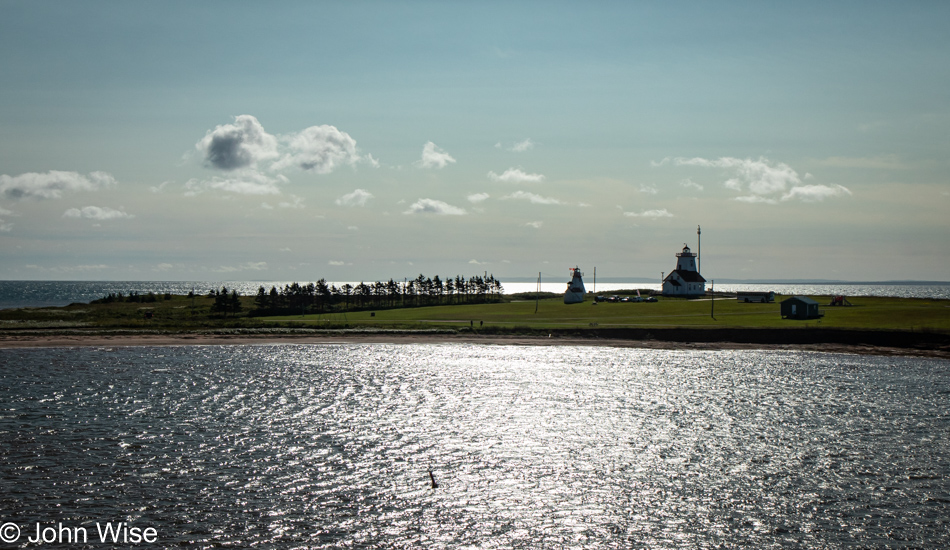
(800, 307)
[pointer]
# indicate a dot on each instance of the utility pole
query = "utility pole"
(699, 248)
(712, 302)
(537, 296)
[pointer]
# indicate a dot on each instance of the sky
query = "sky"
(373, 140)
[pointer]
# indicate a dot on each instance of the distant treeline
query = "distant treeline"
(133, 297)
(421, 291)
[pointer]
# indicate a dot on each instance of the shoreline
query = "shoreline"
(10, 340)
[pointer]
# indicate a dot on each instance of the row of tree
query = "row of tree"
(133, 297)
(421, 291)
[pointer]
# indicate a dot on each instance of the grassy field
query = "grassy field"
(182, 313)
(865, 313)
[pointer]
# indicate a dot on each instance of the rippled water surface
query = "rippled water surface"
(313, 446)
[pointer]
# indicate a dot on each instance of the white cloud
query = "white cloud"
(248, 266)
(96, 213)
(245, 182)
(536, 225)
(434, 157)
(761, 176)
(881, 162)
(690, 184)
(52, 184)
(755, 199)
(648, 189)
(6, 227)
(266, 206)
(358, 197)
(534, 199)
(522, 146)
(160, 188)
(320, 149)
(164, 267)
(294, 202)
(336, 263)
(478, 197)
(516, 175)
(815, 193)
(239, 145)
(432, 206)
(664, 213)
(763, 181)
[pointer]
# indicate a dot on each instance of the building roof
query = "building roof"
(687, 276)
(802, 299)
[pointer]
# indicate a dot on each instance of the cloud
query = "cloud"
(664, 213)
(531, 197)
(755, 199)
(536, 225)
(432, 206)
(516, 175)
(160, 188)
(764, 181)
(96, 213)
(248, 266)
(761, 176)
(320, 149)
(433, 157)
(6, 227)
(239, 145)
(164, 267)
(690, 184)
(522, 146)
(357, 198)
(295, 202)
(52, 184)
(478, 197)
(648, 189)
(336, 263)
(880, 162)
(248, 182)
(815, 193)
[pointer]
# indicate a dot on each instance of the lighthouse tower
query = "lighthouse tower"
(685, 280)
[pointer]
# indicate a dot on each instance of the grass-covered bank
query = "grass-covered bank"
(872, 321)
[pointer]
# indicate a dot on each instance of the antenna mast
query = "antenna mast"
(699, 248)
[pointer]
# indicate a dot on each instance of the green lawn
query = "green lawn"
(181, 313)
(866, 313)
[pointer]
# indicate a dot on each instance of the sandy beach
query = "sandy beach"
(11, 341)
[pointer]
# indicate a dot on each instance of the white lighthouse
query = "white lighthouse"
(685, 280)
(575, 287)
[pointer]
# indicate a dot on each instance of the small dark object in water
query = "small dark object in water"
(432, 477)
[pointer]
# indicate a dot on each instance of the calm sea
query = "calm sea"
(61, 293)
(330, 446)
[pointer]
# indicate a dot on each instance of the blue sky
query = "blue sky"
(368, 140)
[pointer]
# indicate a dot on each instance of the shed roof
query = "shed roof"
(802, 299)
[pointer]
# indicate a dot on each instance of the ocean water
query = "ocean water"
(331, 446)
(61, 293)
